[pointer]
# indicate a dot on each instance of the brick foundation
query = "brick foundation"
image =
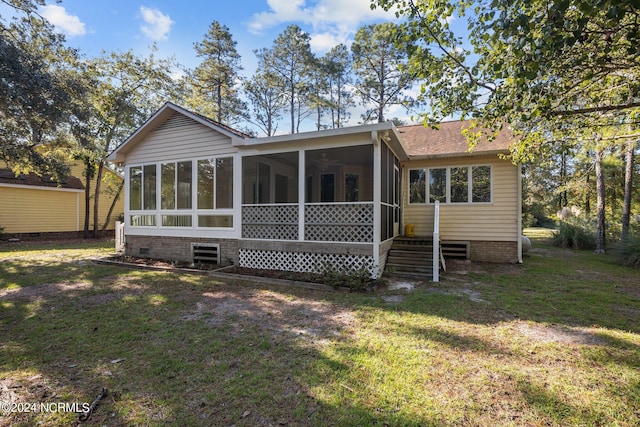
(506, 252)
(178, 248)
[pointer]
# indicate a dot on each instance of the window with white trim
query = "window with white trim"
(169, 194)
(215, 192)
(455, 184)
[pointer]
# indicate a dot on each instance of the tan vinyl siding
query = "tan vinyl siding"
(26, 210)
(495, 221)
(180, 138)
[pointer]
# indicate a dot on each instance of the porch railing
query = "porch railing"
(339, 222)
(436, 242)
(120, 242)
(328, 222)
(271, 222)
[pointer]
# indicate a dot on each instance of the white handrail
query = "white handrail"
(436, 242)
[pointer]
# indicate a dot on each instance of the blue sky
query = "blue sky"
(96, 25)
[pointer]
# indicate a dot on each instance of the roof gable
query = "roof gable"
(159, 119)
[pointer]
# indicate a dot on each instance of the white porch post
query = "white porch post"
(302, 183)
(377, 198)
(238, 176)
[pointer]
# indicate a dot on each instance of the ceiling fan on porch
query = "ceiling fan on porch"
(324, 162)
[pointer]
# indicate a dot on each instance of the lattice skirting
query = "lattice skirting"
(306, 262)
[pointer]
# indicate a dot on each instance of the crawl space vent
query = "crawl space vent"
(205, 253)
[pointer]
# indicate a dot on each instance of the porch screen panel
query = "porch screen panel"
(270, 196)
(384, 174)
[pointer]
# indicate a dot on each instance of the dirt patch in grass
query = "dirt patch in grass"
(456, 267)
(270, 311)
(559, 334)
(46, 289)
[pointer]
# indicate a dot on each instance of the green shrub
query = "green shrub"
(575, 233)
(627, 252)
(354, 280)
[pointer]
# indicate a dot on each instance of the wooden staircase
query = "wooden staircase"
(410, 258)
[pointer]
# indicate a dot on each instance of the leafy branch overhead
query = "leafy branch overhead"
(532, 64)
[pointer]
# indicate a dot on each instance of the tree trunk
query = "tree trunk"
(87, 197)
(292, 105)
(113, 205)
(96, 200)
(600, 192)
(587, 197)
(628, 189)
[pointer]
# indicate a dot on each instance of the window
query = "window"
(142, 188)
(417, 186)
(351, 187)
(175, 185)
(215, 183)
(135, 188)
(215, 220)
(149, 184)
(176, 220)
(437, 185)
(460, 184)
(224, 183)
(327, 187)
(481, 184)
(168, 186)
(143, 220)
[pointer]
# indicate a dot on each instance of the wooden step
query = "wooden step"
(411, 254)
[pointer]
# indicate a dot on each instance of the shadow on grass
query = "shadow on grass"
(186, 350)
(177, 350)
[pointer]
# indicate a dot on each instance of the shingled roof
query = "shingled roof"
(447, 141)
(31, 179)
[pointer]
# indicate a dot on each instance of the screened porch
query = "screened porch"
(321, 195)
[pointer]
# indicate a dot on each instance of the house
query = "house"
(37, 206)
(197, 190)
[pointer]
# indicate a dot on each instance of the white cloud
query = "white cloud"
(70, 25)
(330, 19)
(156, 24)
(323, 42)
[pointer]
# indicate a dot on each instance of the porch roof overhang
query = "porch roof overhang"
(385, 131)
(159, 117)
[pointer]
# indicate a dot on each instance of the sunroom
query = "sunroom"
(332, 204)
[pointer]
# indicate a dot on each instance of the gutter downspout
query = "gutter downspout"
(519, 214)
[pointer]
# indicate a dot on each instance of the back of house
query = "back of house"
(198, 191)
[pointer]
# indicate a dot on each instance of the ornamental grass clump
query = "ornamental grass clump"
(574, 232)
(627, 252)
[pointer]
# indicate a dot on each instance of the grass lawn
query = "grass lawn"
(555, 341)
